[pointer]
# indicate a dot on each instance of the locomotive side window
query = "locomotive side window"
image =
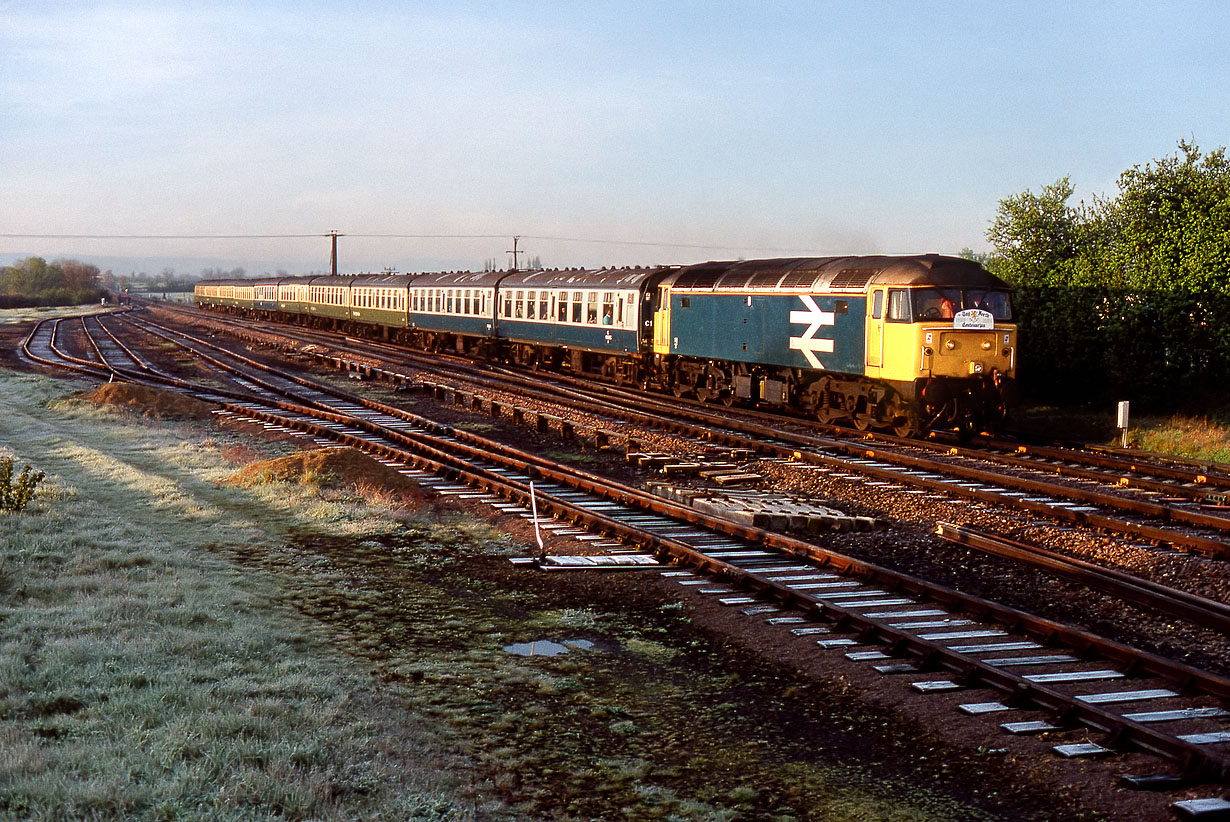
(898, 306)
(877, 305)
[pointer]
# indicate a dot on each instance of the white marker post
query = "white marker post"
(1123, 422)
(542, 551)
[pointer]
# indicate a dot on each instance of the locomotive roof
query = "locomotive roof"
(833, 273)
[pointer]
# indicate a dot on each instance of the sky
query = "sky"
(189, 134)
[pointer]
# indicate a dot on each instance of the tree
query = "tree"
(78, 276)
(1172, 222)
(1127, 297)
(1034, 235)
(33, 281)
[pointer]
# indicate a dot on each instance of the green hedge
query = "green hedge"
(1166, 350)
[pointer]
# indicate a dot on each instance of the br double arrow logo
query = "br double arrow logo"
(814, 318)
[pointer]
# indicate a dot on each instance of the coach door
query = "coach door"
(875, 330)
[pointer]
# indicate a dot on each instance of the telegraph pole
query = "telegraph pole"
(516, 239)
(333, 253)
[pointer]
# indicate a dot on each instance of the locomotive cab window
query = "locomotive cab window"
(999, 303)
(936, 303)
(899, 306)
(877, 305)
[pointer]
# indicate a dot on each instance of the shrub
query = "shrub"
(15, 496)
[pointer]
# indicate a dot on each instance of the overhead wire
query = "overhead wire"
(539, 237)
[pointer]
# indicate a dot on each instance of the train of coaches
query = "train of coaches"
(907, 343)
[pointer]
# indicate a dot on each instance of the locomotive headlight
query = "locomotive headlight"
(986, 345)
(950, 345)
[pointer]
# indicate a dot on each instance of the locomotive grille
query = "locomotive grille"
(799, 279)
(854, 278)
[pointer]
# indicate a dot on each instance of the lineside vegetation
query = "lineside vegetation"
(1125, 297)
(15, 496)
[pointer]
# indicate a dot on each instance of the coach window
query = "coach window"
(591, 308)
(578, 306)
(608, 308)
(563, 307)
(543, 306)
(508, 298)
(519, 305)
(531, 305)
(448, 301)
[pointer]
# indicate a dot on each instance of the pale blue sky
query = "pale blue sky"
(750, 128)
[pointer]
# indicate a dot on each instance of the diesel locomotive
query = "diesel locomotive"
(907, 343)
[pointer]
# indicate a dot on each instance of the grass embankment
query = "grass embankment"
(1200, 438)
(175, 646)
(143, 676)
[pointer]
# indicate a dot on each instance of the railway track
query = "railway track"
(1073, 680)
(1179, 510)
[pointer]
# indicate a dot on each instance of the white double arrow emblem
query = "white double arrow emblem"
(808, 343)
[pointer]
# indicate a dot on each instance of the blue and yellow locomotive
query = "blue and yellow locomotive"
(908, 343)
